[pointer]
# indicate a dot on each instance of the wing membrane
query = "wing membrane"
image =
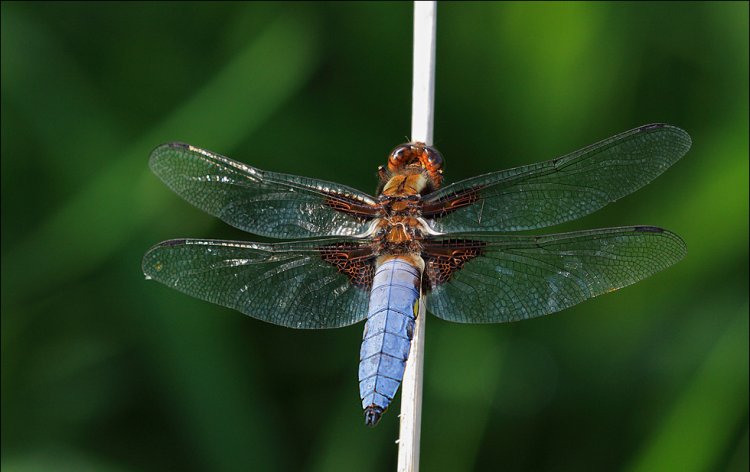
(260, 202)
(500, 278)
(309, 284)
(560, 190)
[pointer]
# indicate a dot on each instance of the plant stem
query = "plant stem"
(423, 95)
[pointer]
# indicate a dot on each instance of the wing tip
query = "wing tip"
(170, 145)
(171, 242)
(159, 151)
(649, 229)
(680, 244)
(149, 266)
(683, 136)
(652, 126)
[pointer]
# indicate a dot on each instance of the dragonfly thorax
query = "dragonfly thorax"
(405, 185)
(400, 230)
(401, 227)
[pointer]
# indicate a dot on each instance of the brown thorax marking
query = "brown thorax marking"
(399, 230)
(404, 185)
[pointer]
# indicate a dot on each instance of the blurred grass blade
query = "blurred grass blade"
(119, 200)
(343, 445)
(700, 427)
(213, 392)
(466, 383)
(25, 86)
(58, 459)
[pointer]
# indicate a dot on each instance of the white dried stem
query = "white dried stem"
(423, 97)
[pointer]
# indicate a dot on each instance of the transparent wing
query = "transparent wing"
(309, 284)
(260, 202)
(560, 190)
(493, 279)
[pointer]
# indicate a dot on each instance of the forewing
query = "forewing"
(560, 190)
(261, 202)
(309, 284)
(493, 279)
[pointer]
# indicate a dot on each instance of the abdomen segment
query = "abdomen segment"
(387, 337)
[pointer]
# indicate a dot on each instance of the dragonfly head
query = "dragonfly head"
(417, 157)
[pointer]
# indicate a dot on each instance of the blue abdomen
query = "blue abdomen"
(387, 337)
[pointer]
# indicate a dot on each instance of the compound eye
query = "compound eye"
(400, 156)
(434, 160)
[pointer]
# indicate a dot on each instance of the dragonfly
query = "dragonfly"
(356, 257)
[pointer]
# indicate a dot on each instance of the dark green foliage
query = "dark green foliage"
(102, 370)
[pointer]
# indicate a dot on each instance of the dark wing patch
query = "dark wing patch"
(444, 258)
(440, 208)
(352, 260)
(352, 207)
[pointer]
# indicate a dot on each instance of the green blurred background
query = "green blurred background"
(102, 370)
